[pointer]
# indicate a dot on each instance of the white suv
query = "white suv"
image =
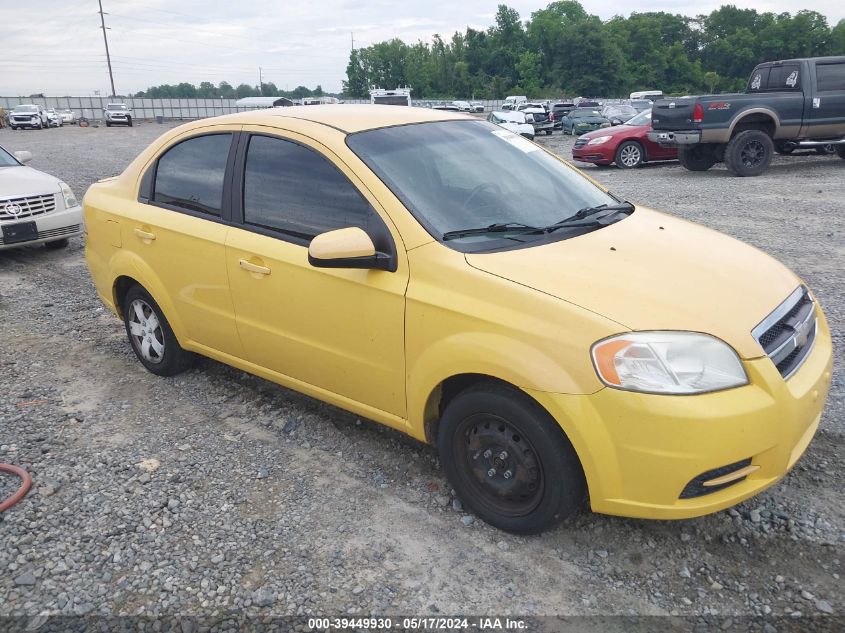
(117, 114)
(28, 115)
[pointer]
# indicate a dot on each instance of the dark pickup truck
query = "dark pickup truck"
(790, 104)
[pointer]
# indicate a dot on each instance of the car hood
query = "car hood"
(518, 128)
(652, 271)
(16, 182)
(617, 130)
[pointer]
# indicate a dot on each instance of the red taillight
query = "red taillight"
(698, 113)
(552, 116)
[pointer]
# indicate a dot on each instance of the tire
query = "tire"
(164, 356)
(697, 157)
(57, 244)
(108, 124)
(749, 153)
(840, 150)
(629, 154)
(129, 121)
(537, 478)
(548, 132)
(825, 150)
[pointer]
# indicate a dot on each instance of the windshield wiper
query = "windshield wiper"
(499, 227)
(585, 216)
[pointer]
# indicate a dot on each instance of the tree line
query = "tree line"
(563, 50)
(224, 90)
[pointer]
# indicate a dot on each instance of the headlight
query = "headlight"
(599, 140)
(668, 363)
(67, 193)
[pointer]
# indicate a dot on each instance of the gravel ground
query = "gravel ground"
(216, 492)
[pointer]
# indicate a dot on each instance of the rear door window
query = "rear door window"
(830, 77)
(759, 79)
(190, 175)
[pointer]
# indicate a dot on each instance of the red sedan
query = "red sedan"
(626, 145)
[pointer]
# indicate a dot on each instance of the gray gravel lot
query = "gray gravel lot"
(257, 500)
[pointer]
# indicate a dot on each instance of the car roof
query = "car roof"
(344, 117)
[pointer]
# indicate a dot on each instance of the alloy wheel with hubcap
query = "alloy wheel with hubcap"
(145, 330)
(629, 155)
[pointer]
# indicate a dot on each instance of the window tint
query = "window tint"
(831, 76)
(190, 175)
(786, 77)
(290, 188)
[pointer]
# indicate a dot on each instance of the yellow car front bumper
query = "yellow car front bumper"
(640, 451)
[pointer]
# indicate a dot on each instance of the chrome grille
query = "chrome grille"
(787, 335)
(29, 206)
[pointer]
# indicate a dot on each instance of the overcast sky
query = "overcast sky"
(60, 50)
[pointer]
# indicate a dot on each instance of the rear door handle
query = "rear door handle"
(145, 235)
(254, 268)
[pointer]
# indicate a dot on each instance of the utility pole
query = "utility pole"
(106, 42)
(353, 40)
(260, 82)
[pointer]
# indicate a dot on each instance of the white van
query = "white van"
(400, 96)
(513, 101)
(651, 95)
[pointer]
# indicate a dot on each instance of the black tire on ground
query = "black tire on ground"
(144, 320)
(548, 132)
(57, 244)
(129, 121)
(108, 124)
(840, 149)
(825, 150)
(629, 154)
(697, 157)
(749, 153)
(508, 460)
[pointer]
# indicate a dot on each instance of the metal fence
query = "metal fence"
(178, 109)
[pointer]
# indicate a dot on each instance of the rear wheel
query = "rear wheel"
(840, 150)
(697, 157)
(825, 150)
(629, 154)
(749, 153)
(150, 334)
(508, 460)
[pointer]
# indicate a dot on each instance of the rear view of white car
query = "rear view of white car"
(35, 208)
(515, 122)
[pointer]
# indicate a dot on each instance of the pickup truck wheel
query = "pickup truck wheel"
(697, 157)
(825, 150)
(840, 149)
(629, 155)
(749, 153)
(508, 460)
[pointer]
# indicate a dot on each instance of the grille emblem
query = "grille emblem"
(13, 209)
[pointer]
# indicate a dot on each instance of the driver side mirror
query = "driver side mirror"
(346, 248)
(23, 156)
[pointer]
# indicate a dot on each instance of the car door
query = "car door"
(340, 330)
(176, 231)
(827, 110)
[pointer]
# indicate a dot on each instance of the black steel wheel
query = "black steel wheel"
(508, 459)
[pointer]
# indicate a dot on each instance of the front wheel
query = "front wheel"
(629, 155)
(508, 460)
(697, 157)
(749, 153)
(150, 334)
(129, 121)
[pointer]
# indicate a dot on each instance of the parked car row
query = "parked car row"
(37, 117)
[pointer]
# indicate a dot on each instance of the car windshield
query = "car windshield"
(643, 118)
(26, 108)
(510, 180)
(7, 160)
(112, 106)
(622, 111)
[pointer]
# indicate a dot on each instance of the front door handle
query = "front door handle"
(254, 268)
(145, 235)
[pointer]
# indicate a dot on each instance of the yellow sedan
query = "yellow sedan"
(450, 279)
